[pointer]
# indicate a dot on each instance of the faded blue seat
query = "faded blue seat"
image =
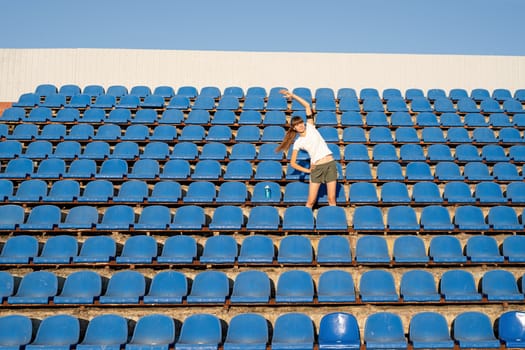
(377, 286)
(335, 286)
(429, 330)
(37, 287)
(268, 170)
(477, 171)
(167, 287)
(97, 249)
(12, 215)
(294, 249)
(245, 331)
(446, 249)
(209, 287)
(384, 330)
(293, 331)
(298, 218)
(251, 287)
(227, 218)
(394, 192)
(66, 150)
(125, 150)
(331, 218)
(363, 192)
(426, 192)
(483, 249)
(448, 171)
(219, 249)
(80, 287)
(207, 170)
(470, 217)
(294, 286)
(18, 168)
(358, 171)
(232, 192)
(339, 330)
(389, 171)
(19, 250)
(418, 286)
(107, 331)
(256, 248)
(409, 249)
(473, 329)
(117, 217)
(140, 249)
(436, 218)
(184, 150)
(42, 217)
(500, 285)
(132, 191)
(38, 149)
(97, 191)
(200, 331)
(467, 153)
(97, 150)
(154, 332)
(144, 169)
(16, 331)
(402, 218)
(52, 168)
(458, 192)
(58, 332)
(238, 170)
(355, 152)
(29, 191)
(368, 218)
(200, 192)
(243, 150)
(58, 250)
(178, 250)
(489, 192)
(333, 250)
(513, 248)
(263, 218)
(214, 150)
(411, 152)
(124, 287)
(459, 285)
(190, 217)
(372, 249)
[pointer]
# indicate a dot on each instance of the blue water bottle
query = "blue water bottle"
(267, 192)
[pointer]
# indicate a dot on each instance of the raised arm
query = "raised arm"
(299, 99)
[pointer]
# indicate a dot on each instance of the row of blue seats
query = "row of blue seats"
(255, 287)
(251, 117)
(206, 192)
(433, 218)
(293, 330)
(260, 249)
(243, 170)
(280, 103)
(478, 94)
(252, 133)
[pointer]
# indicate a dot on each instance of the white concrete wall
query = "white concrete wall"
(21, 70)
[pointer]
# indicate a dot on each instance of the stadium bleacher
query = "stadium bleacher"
(147, 206)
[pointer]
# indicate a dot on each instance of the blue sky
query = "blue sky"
(471, 27)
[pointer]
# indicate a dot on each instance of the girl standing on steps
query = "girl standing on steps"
(322, 169)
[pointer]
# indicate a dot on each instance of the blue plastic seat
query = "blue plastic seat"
(458, 135)
(214, 150)
(117, 217)
(142, 117)
(493, 153)
(108, 132)
(93, 90)
(377, 286)
(6, 189)
(439, 153)
(458, 192)
(178, 250)
(503, 218)
(200, 331)
(512, 106)
(384, 330)
(448, 171)
(80, 132)
(263, 218)
(125, 150)
(251, 287)
(66, 150)
(38, 149)
(10, 149)
(16, 331)
(259, 193)
(247, 331)
(104, 101)
(418, 286)
(274, 118)
(200, 192)
(155, 332)
(112, 169)
(178, 102)
(19, 250)
(273, 133)
(207, 169)
(132, 191)
(298, 218)
(333, 250)
(432, 135)
(232, 192)
(27, 100)
(500, 285)
(238, 170)
(140, 249)
(18, 168)
(96, 150)
(446, 249)
(164, 133)
(124, 287)
(29, 191)
(384, 152)
(426, 119)
(203, 102)
(268, 170)
(58, 332)
(7, 287)
(354, 134)
(192, 133)
(209, 287)
(459, 285)
(420, 104)
(293, 331)
(23, 132)
(219, 249)
(189, 217)
(335, 286)
(144, 169)
(511, 329)
(380, 134)
(58, 250)
(510, 135)
(184, 150)
(97, 191)
(513, 248)
(294, 286)
(80, 287)
(368, 218)
(406, 134)
(253, 103)
(467, 153)
(295, 192)
(470, 217)
(489, 192)
(11, 216)
(227, 218)
(355, 152)
(243, 150)
(248, 133)
(436, 218)
(517, 153)
(483, 249)
(467, 105)
(256, 248)
(167, 287)
(108, 331)
(295, 250)
(363, 192)
(96, 249)
(372, 249)
(36, 287)
(473, 329)
(389, 171)
(426, 192)
(63, 191)
(409, 249)
(394, 192)
(250, 117)
(339, 330)
(429, 330)
(331, 218)
(42, 217)
(52, 168)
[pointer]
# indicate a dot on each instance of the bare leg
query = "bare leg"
(330, 191)
(313, 190)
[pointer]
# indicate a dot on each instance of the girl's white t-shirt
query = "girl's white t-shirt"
(313, 143)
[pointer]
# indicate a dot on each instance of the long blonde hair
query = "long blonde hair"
(290, 135)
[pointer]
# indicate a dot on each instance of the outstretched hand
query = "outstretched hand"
(285, 93)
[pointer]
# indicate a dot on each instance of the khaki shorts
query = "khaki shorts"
(324, 173)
